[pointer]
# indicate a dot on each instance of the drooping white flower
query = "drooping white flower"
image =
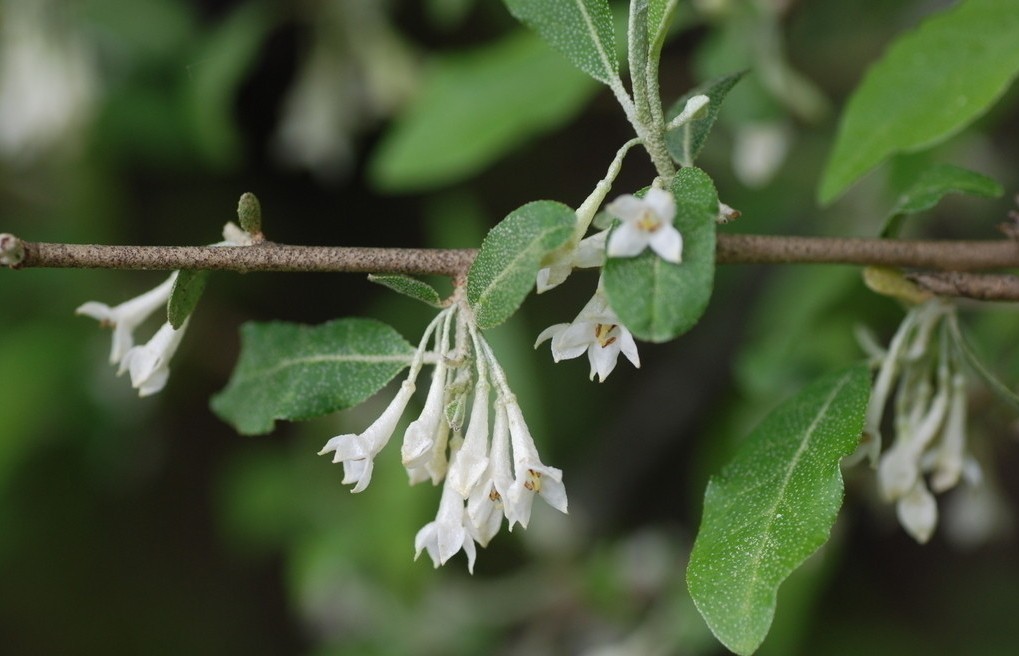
(597, 331)
(357, 452)
(420, 436)
(920, 376)
(149, 364)
(471, 461)
(918, 512)
(448, 533)
(127, 316)
(530, 476)
(646, 222)
(485, 507)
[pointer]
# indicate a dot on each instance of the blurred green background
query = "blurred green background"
(146, 526)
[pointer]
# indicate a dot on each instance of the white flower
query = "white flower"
(589, 253)
(448, 534)
(419, 438)
(530, 476)
(127, 316)
(597, 331)
(471, 461)
(646, 222)
(485, 507)
(357, 452)
(918, 512)
(149, 365)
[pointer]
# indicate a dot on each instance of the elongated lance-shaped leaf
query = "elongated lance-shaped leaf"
(187, 291)
(637, 46)
(580, 29)
(773, 505)
(417, 289)
(931, 83)
(290, 371)
(658, 300)
(933, 184)
(685, 142)
(511, 255)
(659, 16)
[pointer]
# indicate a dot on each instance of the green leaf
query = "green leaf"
(685, 142)
(773, 505)
(506, 266)
(187, 291)
(932, 83)
(973, 360)
(658, 300)
(473, 108)
(289, 371)
(416, 289)
(932, 185)
(580, 29)
(249, 213)
(659, 15)
(638, 49)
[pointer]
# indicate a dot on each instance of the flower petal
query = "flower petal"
(626, 240)
(668, 243)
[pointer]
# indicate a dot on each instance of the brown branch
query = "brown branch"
(266, 256)
(946, 255)
(269, 256)
(982, 286)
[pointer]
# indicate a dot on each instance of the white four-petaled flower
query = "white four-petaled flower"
(596, 330)
(646, 222)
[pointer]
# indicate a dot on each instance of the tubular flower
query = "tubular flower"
(921, 372)
(357, 452)
(596, 331)
(127, 316)
(149, 365)
(490, 472)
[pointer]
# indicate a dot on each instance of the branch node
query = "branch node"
(12, 250)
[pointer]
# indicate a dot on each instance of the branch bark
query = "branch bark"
(732, 249)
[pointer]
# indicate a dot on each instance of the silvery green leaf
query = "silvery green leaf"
(580, 29)
(505, 269)
(773, 505)
(292, 371)
(417, 289)
(187, 291)
(658, 300)
(686, 141)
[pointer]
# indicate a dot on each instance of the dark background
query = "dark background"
(148, 526)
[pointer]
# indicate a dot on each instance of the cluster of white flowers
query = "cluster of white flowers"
(489, 471)
(148, 364)
(644, 223)
(929, 417)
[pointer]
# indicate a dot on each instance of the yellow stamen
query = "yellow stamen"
(603, 333)
(649, 221)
